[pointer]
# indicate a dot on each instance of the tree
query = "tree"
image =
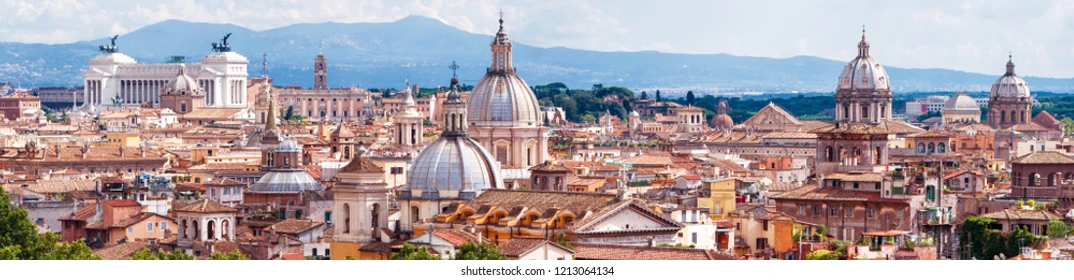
(476, 251)
(146, 254)
(588, 119)
(823, 255)
(1069, 124)
(232, 256)
(644, 95)
(290, 112)
(562, 240)
(19, 239)
(411, 252)
(1058, 229)
(690, 97)
(658, 98)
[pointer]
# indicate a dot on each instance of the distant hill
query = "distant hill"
(378, 55)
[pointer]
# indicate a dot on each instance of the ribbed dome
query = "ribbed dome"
(454, 167)
(722, 120)
(182, 82)
(288, 145)
(961, 102)
(1010, 85)
(503, 97)
(864, 74)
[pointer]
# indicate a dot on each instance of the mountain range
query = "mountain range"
(383, 55)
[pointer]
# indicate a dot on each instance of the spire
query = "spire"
(264, 64)
(454, 108)
(270, 119)
(453, 96)
(863, 46)
(1010, 64)
(501, 51)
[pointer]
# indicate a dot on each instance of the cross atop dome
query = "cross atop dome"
(454, 76)
(1010, 64)
(863, 46)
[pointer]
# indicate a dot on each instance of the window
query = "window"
(130, 229)
(855, 185)
(850, 211)
(315, 252)
(876, 186)
(816, 210)
(871, 212)
(833, 211)
(327, 252)
(801, 209)
(227, 190)
(693, 237)
(149, 226)
(328, 216)
(163, 225)
(764, 225)
(762, 243)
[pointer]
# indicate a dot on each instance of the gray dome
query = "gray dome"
(288, 145)
(285, 181)
(961, 102)
(864, 74)
(182, 82)
(503, 97)
(1010, 85)
(453, 167)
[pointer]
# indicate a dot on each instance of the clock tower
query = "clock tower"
(320, 72)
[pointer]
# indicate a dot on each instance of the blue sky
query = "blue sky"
(973, 36)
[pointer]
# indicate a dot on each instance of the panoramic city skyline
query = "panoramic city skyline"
(973, 36)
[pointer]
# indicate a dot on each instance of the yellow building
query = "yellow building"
(721, 198)
(130, 140)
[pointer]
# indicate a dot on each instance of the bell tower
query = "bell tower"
(320, 72)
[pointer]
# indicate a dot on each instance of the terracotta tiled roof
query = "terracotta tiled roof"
(1045, 119)
(211, 113)
(295, 226)
(650, 160)
(860, 177)
(122, 203)
(1029, 127)
(138, 218)
(612, 252)
(549, 166)
(1023, 214)
(121, 251)
(63, 186)
(1047, 157)
(812, 192)
(456, 237)
(361, 164)
(224, 182)
(852, 128)
(578, 203)
(292, 257)
(521, 245)
(204, 206)
(82, 214)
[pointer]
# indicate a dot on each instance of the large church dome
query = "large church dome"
(863, 74)
(454, 166)
(961, 102)
(183, 82)
(1010, 85)
(501, 97)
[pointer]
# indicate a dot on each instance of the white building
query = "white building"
(222, 74)
(925, 105)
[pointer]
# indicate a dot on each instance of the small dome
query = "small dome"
(112, 58)
(182, 82)
(289, 145)
(961, 102)
(722, 120)
(454, 167)
(863, 74)
(634, 114)
(1010, 85)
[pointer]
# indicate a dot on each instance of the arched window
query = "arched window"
(1034, 179)
(346, 218)
(932, 148)
(921, 148)
(942, 147)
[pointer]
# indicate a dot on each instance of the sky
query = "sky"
(973, 36)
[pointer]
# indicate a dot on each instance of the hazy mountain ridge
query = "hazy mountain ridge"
(384, 54)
